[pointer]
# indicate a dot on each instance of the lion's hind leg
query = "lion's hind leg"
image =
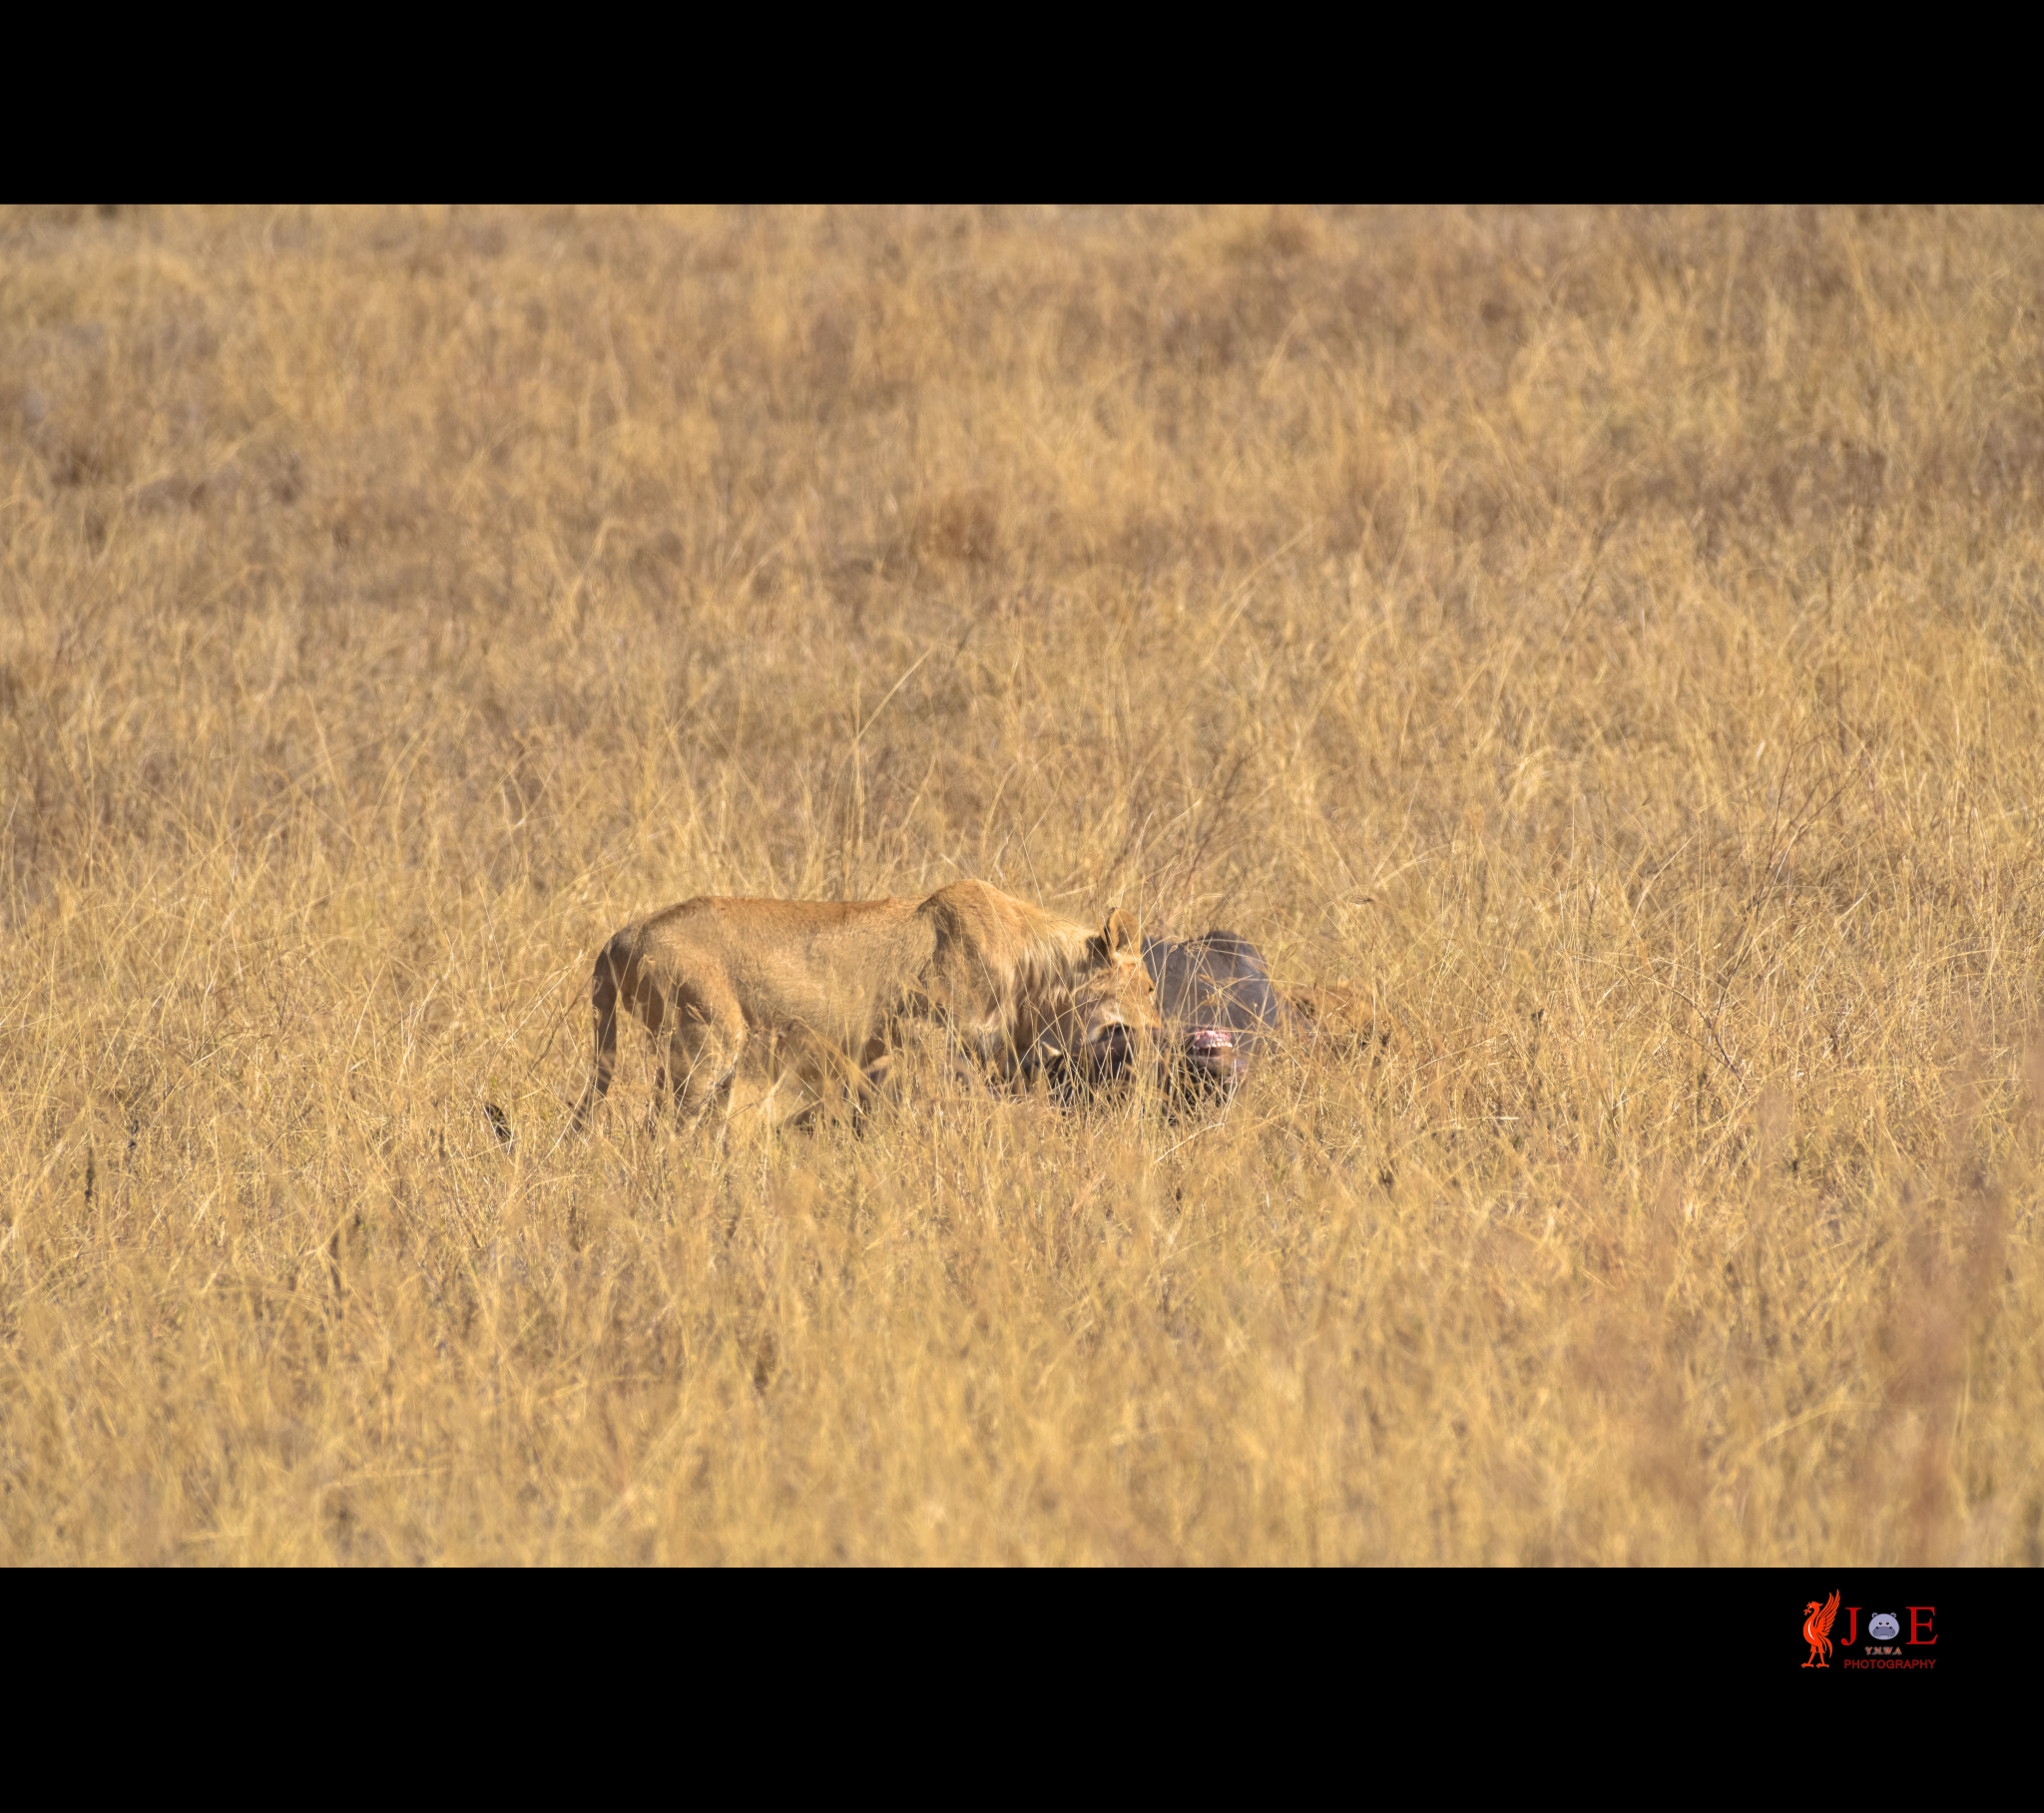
(870, 1079)
(612, 963)
(705, 1038)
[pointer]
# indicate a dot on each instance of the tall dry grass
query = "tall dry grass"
(1611, 641)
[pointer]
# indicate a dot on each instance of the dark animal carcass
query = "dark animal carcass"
(1220, 1010)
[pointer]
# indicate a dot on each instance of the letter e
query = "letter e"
(1925, 1625)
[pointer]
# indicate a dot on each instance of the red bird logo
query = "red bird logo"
(1816, 1630)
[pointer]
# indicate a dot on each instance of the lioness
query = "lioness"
(778, 1006)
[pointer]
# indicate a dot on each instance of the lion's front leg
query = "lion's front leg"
(794, 1076)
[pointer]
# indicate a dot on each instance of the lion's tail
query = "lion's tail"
(610, 962)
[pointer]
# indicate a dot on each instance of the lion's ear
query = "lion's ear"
(1121, 933)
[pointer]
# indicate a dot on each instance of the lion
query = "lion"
(775, 1008)
(1338, 1018)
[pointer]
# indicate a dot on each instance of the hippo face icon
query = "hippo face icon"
(1882, 1625)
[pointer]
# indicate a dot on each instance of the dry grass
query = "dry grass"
(1612, 642)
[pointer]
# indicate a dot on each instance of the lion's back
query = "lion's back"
(816, 961)
(998, 929)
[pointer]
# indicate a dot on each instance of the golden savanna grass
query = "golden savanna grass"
(1609, 642)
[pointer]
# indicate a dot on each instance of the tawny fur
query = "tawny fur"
(1338, 1016)
(778, 1007)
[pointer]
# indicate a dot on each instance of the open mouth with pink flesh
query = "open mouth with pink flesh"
(1212, 1048)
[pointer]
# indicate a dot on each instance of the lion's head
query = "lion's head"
(1112, 1012)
